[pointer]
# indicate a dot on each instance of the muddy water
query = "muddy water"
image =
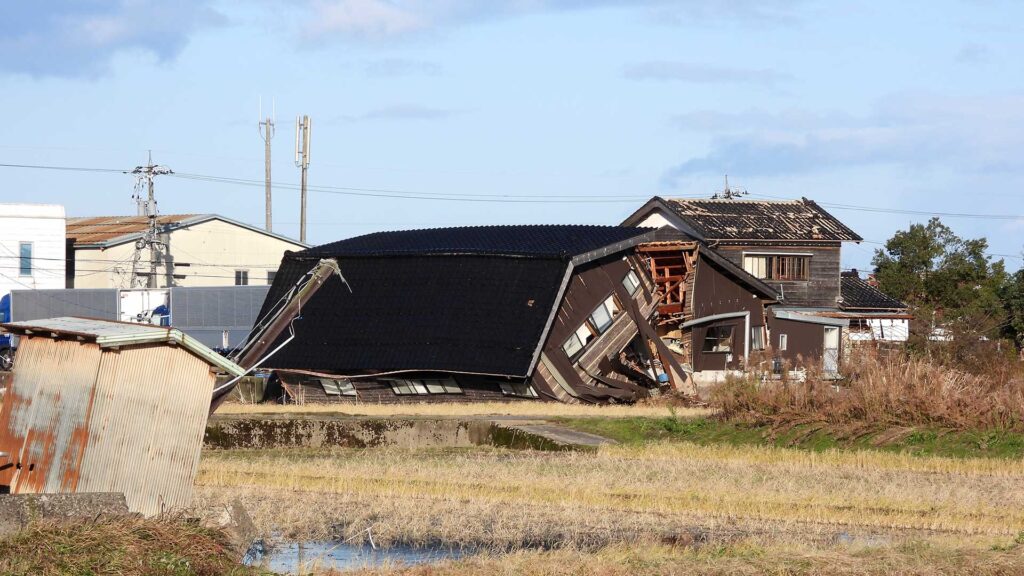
(305, 557)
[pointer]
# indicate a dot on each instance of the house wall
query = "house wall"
(883, 330)
(823, 287)
(474, 389)
(214, 250)
(716, 293)
(589, 286)
(44, 226)
(805, 341)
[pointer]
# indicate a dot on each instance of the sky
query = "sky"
(458, 112)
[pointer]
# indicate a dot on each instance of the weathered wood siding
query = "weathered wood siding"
(822, 288)
(805, 341)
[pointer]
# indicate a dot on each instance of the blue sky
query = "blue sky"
(914, 106)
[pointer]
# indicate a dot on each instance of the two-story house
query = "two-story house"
(791, 246)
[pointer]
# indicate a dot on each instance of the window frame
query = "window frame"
(783, 342)
(425, 386)
(518, 390)
(758, 338)
(631, 282)
(576, 337)
(271, 274)
(778, 266)
(25, 262)
(343, 387)
(708, 337)
(241, 277)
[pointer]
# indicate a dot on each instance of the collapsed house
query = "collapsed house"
(792, 248)
(563, 313)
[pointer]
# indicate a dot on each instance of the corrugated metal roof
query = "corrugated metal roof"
(787, 220)
(106, 231)
(107, 333)
(102, 229)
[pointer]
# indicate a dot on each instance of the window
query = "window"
(423, 387)
(783, 341)
(521, 390)
(631, 282)
(757, 338)
(337, 387)
(25, 259)
(241, 277)
(718, 339)
(602, 317)
(577, 341)
(777, 267)
(270, 276)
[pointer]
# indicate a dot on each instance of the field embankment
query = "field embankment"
(122, 546)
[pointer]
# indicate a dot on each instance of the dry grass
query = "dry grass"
(737, 559)
(531, 409)
(507, 499)
(119, 546)
(884, 392)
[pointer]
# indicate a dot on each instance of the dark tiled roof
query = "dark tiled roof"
(471, 314)
(789, 220)
(465, 300)
(859, 295)
(543, 241)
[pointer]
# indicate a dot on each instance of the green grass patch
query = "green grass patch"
(711, 431)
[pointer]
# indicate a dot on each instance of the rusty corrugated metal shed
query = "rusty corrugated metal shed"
(98, 406)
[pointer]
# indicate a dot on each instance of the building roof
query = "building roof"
(27, 210)
(731, 220)
(858, 294)
(111, 334)
(474, 300)
(108, 231)
(544, 241)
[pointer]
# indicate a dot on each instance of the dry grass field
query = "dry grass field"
(506, 500)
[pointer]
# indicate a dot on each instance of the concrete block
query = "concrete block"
(18, 510)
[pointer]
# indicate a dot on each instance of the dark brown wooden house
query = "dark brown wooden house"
(792, 247)
(477, 313)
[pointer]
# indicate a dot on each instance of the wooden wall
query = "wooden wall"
(805, 341)
(821, 290)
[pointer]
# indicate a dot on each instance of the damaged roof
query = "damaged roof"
(780, 220)
(858, 294)
(474, 300)
(107, 231)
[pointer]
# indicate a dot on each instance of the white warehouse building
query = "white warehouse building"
(32, 247)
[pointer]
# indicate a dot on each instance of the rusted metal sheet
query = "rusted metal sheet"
(81, 418)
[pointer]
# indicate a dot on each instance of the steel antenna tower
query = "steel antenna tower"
(144, 176)
(728, 193)
(267, 131)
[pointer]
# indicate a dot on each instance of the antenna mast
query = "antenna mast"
(267, 130)
(144, 176)
(728, 193)
(302, 138)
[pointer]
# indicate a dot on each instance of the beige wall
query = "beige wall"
(214, 250)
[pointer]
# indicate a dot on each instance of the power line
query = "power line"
(64, 168)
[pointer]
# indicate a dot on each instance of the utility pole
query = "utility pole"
(302, 131)
(145, 175)
(267, 134)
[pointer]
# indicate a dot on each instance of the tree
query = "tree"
(1013, 300)
(944, 278)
